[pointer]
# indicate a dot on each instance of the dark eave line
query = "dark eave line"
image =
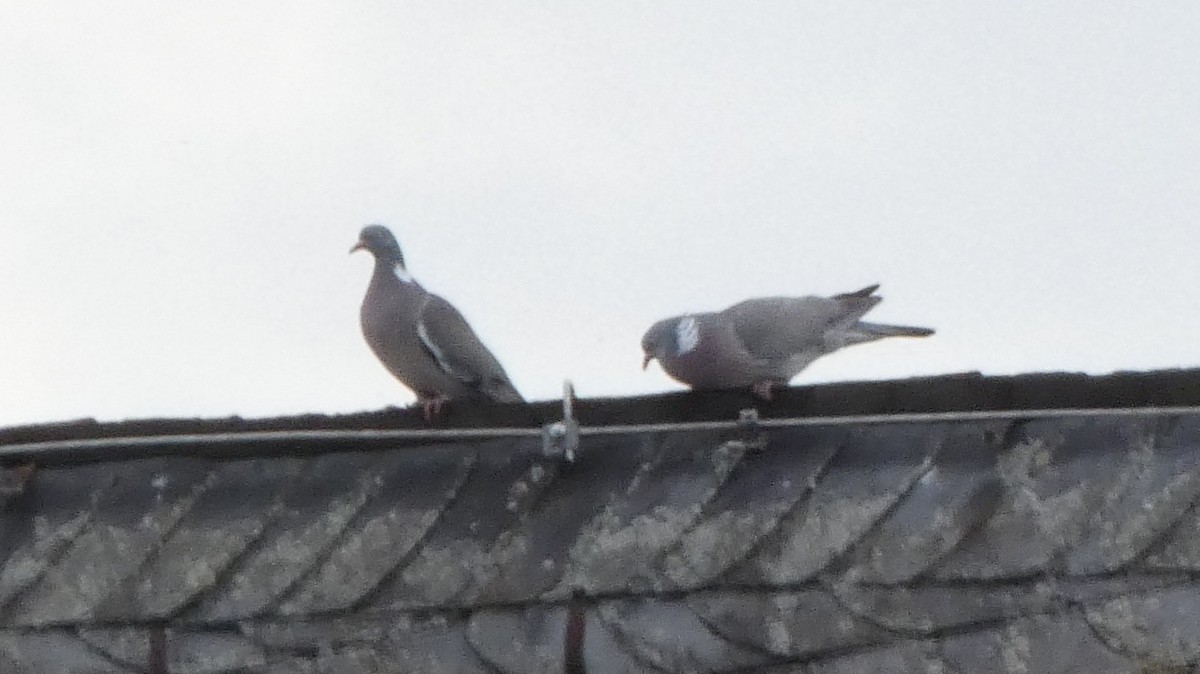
(266, 444)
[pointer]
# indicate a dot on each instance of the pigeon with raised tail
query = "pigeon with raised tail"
(764, 342)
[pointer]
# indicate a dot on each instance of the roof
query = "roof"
(1039, 523)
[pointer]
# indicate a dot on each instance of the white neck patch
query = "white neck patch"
(401, 273)
(687, 335)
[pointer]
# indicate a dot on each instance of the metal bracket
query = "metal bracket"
(753, 436)
(748, 418)
(561, 438)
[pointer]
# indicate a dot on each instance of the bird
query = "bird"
(764, 342)
(420, 338)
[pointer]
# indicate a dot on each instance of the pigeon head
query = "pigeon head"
(659, 341)
(378, 240)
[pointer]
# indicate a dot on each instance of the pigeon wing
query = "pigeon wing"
(777, 328)
(460, 353)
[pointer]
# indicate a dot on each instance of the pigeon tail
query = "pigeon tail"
(501, 391)
(865, 292)
(880, 330)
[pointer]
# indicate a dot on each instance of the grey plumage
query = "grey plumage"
(766, 341)
(421, 338)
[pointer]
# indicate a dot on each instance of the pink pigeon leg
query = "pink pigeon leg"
(431, 407)
(765, 389)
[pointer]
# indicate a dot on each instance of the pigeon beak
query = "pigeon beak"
(358, 246)
(646, 361)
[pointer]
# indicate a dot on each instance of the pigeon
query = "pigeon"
(421, 338)
(764, 342)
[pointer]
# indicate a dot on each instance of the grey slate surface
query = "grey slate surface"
(1015, 543)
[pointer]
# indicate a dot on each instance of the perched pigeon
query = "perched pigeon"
(764, 342)
(421, 338)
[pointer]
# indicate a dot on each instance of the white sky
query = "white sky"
(180, 182)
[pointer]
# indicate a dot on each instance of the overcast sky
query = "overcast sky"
(180, 183)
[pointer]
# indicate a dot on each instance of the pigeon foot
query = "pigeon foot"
(765, 389)
(431, 408)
